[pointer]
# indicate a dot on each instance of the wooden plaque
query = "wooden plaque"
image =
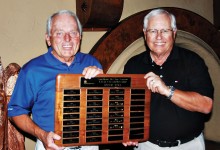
(110, 108)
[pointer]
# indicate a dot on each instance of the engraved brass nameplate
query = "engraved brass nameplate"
(110, 108)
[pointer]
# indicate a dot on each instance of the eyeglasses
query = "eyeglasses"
(61, 34)
(163, 32)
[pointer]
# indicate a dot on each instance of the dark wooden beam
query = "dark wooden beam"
(99, 15)
(216, 13)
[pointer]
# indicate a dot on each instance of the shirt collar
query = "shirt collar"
(173, 55)
(54, 61)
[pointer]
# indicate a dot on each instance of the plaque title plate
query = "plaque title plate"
(110, 108)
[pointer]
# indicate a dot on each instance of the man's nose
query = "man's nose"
(67, 37)
(159, 34)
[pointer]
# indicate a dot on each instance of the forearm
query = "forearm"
(192, 101)
(25, 123)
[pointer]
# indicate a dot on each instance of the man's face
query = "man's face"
(65, 37)
(159, 35)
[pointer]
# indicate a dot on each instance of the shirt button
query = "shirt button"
(161, 76)
(161, 67)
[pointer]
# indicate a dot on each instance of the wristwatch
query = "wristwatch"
(172, 89)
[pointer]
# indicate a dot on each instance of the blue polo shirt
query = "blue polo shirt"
(34, 91)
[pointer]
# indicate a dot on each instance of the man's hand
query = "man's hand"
(91, 71)
(47, 138)
(48, 141)
(156, 84)
(130, 143)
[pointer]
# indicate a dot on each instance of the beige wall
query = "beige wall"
(23, 25)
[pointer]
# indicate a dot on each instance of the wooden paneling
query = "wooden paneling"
(114, 42)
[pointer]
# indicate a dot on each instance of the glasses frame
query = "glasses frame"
(62, 34)
(163, 32)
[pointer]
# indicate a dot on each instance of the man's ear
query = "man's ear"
(47, 38)
(144, 31)
(174, 33)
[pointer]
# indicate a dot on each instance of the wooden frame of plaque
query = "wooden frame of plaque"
(110, 108)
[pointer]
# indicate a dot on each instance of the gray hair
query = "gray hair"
(158, 12)
(50, 19)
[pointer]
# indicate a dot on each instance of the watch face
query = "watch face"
(172, 89)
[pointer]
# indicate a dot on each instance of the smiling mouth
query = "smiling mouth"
(67, 46)
(159, 43)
